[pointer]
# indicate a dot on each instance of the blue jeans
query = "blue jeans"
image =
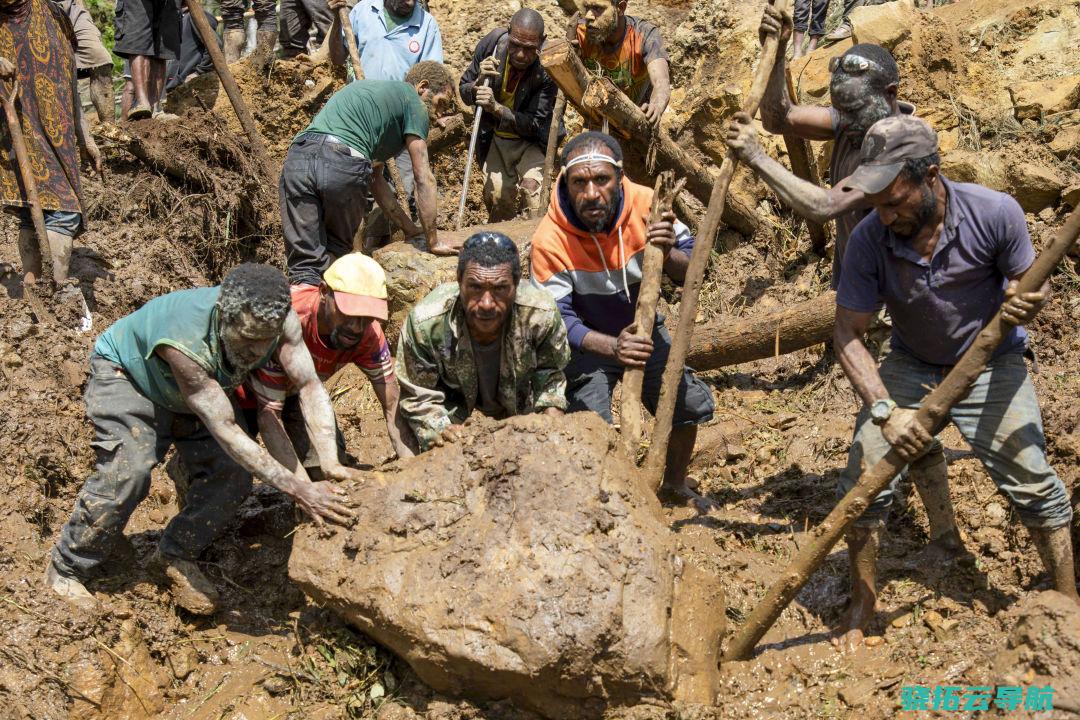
(1001, 421)
(57, 221)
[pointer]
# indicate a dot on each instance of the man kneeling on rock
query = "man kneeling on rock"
(340, 321)
(587, 252)
(484, 343)
(943, 257)
(160, 378)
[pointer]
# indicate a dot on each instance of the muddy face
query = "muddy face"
(905, 207)
(523, 47)
(246, 340)
(399, 8)
(438, 105)
(487, 293)
(338, 330)
(859, 105)
(594, 193)
(601, 20)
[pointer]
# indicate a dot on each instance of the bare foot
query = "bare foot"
(859, 614)
(444, 250)
(946, 550)
(691, 497)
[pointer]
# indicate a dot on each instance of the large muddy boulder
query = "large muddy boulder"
(527, 561)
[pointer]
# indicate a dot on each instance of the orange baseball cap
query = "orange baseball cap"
(359, 285)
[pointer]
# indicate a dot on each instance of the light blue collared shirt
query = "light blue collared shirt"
(388, 55)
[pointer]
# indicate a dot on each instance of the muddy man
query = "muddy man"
(943, 257)
(161, 378)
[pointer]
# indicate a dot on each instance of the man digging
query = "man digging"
(518, 103)
(862, 91)
(942, 257)
(483, 343)
(160, 378)
(587, 252)
(333, 162)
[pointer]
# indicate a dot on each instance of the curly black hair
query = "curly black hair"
(489, 249)
(257, 289)
(591, 140)
(915, 169)
(438, 76)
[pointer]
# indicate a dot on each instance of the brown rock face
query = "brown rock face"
(410, 275)
(528, 561)
(1033, 99)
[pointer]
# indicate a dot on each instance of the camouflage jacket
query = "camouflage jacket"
(437, 372)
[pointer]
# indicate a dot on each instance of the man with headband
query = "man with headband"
(483, 343)
(587, 252)
(862, 91)
(943, 258)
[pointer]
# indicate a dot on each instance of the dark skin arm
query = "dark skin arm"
(426, 194)
(660, 77)
(401, 437)
(338, 54)
(210, 404)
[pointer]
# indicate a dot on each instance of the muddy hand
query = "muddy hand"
(336, 5)
(341, 473)
(1021, 308)
(742, 137)
(489, 68)
(654, 110)
(631, 349)
(774, 22)
(906, 434)
(323, 501)
(485, 98)
(449, 436)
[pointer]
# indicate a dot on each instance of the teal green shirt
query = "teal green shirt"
(186, 320)
(373, 117)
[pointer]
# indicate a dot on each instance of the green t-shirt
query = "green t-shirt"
(373, 117)
(393, 21)
(186, 320)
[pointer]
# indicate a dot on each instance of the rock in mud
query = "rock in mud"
(1045, 642)
(410, 275)
(886, 25)
(1034, 99)
(529, 561)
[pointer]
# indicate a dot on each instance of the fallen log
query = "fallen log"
(934, 410)
(194, 175)
(440, 138)
(725, 341)
(695, 274)
(597, 98)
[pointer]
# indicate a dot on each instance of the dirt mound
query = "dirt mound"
(470, 564)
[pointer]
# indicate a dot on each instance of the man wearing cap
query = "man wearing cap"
(862, 91)
(483, 343)
(340, 319)
(587, 252)
(942, 257)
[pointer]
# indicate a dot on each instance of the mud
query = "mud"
(770, 456)
(469, 563)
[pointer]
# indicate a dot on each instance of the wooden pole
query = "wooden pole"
(350, 42)
(934, 410)
(210, 41)
(652, 270)
(29, 185)
(803, 166)
(695, 273)
(549, 156)
(727, 341)
(603, 98)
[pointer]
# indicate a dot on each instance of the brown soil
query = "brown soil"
(771, 456)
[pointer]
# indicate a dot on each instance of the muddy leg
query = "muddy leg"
(1055, 549)
(676, 482)
(930, 475)
(101, 93)
(29, 255)
(140, 79)
(863, 544)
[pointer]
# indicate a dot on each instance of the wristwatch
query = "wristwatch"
(881, 410)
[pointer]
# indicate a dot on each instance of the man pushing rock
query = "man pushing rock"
(160, 378)
(943, 257)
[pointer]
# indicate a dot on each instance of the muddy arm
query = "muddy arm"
(386, 198)
(277, 440)
(426, 194)
(858, 363)
(808, 200)
(388, 392)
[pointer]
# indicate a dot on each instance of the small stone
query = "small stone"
(902, 621)
(873, 641)
(183, 661)
(995, 515)
(1071, 196)
(276, 685)
(376, 691)
(156, 516)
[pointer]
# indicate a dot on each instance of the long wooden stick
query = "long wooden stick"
(247, 121)
(802, 164)
(22, 159)
(695, 273)
(935, 408)
(652, 269)
(350, 42)
(549, 155)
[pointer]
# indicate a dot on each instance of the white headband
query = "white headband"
(590, 157)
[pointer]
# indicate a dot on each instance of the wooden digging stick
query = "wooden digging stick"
(935, 408)
(802, 164)
(652, 268)
(22, 159)
(549, 155)
(695, 273)
(210, 41)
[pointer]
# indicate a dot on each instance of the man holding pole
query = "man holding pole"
(518, 102)
(392, 36)
(587, 252)
(942, 257)
(53, 127)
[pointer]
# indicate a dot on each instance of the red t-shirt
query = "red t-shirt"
(626, 63)
(271, 385)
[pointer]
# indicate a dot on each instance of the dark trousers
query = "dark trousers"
(232, 14)
(322, 191)
(591, 380)
(809, 16)
(295, 20)
(131, 436)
